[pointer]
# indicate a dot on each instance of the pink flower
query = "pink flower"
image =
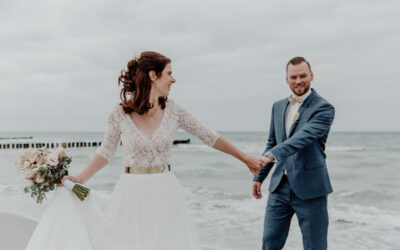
(29, 174)
(52, 160)
(35, 159)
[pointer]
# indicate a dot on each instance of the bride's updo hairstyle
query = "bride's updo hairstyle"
(136, 82)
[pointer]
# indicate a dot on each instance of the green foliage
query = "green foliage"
(49, 176)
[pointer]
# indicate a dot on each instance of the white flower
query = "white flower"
(27, 164)
(295, 118)
(39, 178)
(135, 57)
(52, 160)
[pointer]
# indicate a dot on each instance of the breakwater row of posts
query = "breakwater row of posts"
(25, 145)
(49, 145)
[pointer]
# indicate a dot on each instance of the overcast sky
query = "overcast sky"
(60, 60)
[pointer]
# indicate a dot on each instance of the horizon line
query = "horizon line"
(222, 131)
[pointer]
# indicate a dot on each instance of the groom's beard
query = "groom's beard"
(300, 90)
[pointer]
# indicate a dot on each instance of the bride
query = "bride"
(147, 209)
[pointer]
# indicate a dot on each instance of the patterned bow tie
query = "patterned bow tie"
(294, 100)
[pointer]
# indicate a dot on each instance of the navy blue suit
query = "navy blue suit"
(305, 188)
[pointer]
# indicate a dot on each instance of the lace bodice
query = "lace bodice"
(140, 151)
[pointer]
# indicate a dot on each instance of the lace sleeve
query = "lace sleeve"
(189, 123)
(111, 136)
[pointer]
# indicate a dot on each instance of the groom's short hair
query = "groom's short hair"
(297, 60)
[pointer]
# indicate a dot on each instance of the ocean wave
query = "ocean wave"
(366, 216)
(344, 149)
(258, 149)
(211, 200)
(193, 148)
(367, 194)
(249, 148)
(8, 189)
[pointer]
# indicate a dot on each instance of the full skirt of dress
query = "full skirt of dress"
(144, 212)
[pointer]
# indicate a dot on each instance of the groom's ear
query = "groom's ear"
(312, 75)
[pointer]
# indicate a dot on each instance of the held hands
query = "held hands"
(254, 163)
(265, 160)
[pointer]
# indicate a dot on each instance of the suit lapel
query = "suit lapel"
(305, 104)
(282, 119)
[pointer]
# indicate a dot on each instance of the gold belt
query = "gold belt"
(150, 170)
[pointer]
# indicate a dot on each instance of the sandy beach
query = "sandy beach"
(15, 231)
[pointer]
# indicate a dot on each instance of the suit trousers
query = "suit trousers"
(312, 215)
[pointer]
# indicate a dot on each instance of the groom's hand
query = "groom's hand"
(257, 190)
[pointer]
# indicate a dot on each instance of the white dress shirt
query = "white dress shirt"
(292, 110)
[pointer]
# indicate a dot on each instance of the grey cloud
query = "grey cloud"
(228, 57)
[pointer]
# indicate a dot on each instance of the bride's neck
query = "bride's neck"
(153, 99)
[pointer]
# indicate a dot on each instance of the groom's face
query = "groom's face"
(299, 78)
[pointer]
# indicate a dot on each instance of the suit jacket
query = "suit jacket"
(302, 153)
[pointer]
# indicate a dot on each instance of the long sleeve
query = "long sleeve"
(189, 123)
(270, 144)
(112, 135)
(317, 127)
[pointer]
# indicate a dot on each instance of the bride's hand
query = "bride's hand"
(254, 164)
(71, 178)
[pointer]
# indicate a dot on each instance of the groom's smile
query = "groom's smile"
(299, 78)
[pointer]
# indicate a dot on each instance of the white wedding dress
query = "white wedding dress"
(144, 211)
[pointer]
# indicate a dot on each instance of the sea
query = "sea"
(364, 167)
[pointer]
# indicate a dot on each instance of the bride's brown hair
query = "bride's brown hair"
(136, 82)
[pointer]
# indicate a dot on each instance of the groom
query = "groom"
(300, 183)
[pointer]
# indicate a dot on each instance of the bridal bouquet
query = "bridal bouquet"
(45, 169)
